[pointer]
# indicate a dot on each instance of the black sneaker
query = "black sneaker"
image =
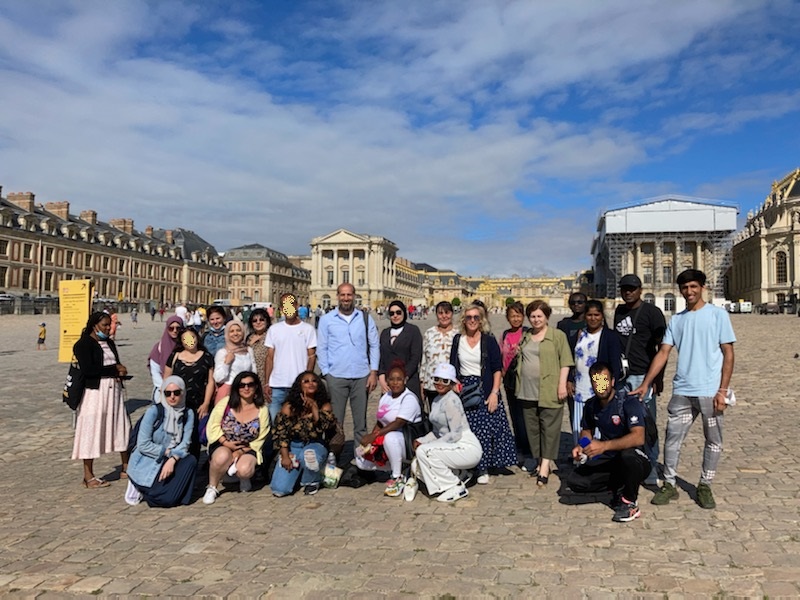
(627, 511)
(311, 489)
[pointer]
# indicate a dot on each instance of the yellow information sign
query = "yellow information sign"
(75, 301)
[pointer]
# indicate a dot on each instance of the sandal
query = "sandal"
(541, 480)
(123, 474)
(95, 482)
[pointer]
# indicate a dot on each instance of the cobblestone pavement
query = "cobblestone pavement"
(507, 539)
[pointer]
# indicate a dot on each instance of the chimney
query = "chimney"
(90, 216)
(59, 209)
(168, 236)
(23, 200)
(148, 231)
(117, 224)
(129, 226)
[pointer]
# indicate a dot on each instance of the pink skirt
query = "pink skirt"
(102, 425)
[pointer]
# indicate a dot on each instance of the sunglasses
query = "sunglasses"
(395, 313)
(170, 393)
(442, 380)
(174, 327)
(309, 381)
(472, 318)
(247, 384)
(259, 319)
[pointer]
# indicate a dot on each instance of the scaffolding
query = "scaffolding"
(612, 259)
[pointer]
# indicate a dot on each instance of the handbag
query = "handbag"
(74, 386)
(336, 442)
(471, 391)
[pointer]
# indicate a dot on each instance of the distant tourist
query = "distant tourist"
(40, 341)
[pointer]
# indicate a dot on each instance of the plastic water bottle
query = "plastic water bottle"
(331, 460)
(583, 443)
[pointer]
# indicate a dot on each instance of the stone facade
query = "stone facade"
(766, 252)
(41, 245)
(261, 274)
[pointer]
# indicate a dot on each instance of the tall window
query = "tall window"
(649, 298)
(647, 274)
(780, 267)
(3, 247)
(669, 302)
(330, 278)
(666, 274)
(27, 250)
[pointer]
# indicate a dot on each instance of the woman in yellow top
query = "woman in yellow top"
(236, 431)
(544, 361)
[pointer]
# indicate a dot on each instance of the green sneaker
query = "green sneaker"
(704, 496)
(665, 494)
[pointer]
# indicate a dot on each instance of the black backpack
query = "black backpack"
(650, 427)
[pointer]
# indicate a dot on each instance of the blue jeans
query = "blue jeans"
(283, 481)
(631, 383)
(278, 398)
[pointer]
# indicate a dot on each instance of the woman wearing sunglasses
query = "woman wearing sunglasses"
(257, 323)
(236, 430)
(161, 352)
(450, 446)
(161, 470)
(476, 357)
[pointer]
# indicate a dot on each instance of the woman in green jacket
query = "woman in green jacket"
(543, 367)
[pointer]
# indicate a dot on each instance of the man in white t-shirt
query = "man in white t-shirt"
(183, 313)
(291, 349)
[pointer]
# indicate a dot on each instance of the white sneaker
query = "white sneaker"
(310, 459)
(457, 492)
(483, 479)
(132, 495)
(245, 485)
(211, 495)
(411, 489)
(232, 469)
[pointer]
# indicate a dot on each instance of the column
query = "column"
(351, 266)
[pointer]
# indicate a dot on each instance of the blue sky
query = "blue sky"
(481, 136)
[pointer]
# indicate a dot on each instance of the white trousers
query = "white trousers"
(395, 447)
(437, 461)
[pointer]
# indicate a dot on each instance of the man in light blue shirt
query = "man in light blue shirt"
(347, 354)
(704, 338)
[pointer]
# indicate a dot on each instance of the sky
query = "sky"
(477, 135)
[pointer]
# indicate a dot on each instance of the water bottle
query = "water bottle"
(331, 460)
(583, 443)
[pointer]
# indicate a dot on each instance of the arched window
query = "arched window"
(650, 298)
(780, 267)
(669, 302)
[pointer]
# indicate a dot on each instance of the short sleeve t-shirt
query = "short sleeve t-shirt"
(697, 335)
(406, 407)
(647, 334)
(610, 421)
(291, 344)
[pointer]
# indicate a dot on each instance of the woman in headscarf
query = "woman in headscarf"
(161, 351)
(162, 470)
(401, 341)
(236, 357)
(101, 425)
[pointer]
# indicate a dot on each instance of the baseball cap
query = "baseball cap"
(630, 280)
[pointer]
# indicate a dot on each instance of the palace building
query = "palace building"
(658, 238)
(261, 274)
(41, 245)
(766, 252)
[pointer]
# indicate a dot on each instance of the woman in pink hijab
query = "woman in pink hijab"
(161, 351)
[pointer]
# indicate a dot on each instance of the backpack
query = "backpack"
(650, 427)
(134, 435)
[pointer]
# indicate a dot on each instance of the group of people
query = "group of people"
(441, 418)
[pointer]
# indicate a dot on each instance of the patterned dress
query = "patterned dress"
(585, 356)
(435, 350)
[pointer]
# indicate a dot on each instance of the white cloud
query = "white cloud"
(426, 128)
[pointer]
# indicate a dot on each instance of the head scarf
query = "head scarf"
(173, 423)
(164, 347)
(405, 313)
(241, 347)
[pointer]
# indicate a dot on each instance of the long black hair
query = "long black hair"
(235, 401)
(94, 319)
(295, 396)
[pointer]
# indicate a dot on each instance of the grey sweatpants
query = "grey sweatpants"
(682, 411)
(341, 390)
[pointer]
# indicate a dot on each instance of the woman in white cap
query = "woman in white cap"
(450, 446)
